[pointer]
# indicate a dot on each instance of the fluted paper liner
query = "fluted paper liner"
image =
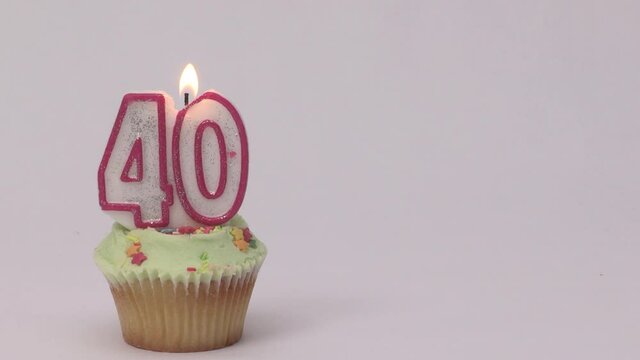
(201, 313)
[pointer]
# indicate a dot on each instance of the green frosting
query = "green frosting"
(213, 255)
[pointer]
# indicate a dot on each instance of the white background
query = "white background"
(434, 179)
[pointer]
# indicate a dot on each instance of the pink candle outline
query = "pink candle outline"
(244, 165)
(162, 158)
(135, 155)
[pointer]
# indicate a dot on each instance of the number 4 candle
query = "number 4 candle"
(168, 168)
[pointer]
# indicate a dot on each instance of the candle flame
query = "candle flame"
(189, 82)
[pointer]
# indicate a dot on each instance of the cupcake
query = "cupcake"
(184, 289)
(180, 262)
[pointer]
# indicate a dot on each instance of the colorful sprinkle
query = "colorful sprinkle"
(186, 229)
(138, 258)
(232, 154)
(191, 269)
(253, 244)
(241, 245)
(133, 249)
(208, 229)
(237, 233)
(204, 256)
(132, 238)
(246, 233)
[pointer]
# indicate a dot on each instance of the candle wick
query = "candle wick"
(186, 99)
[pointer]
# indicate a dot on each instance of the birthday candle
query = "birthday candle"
(164, 168)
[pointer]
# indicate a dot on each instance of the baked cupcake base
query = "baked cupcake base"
(183, 317)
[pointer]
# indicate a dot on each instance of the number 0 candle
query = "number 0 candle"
(168, 168)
